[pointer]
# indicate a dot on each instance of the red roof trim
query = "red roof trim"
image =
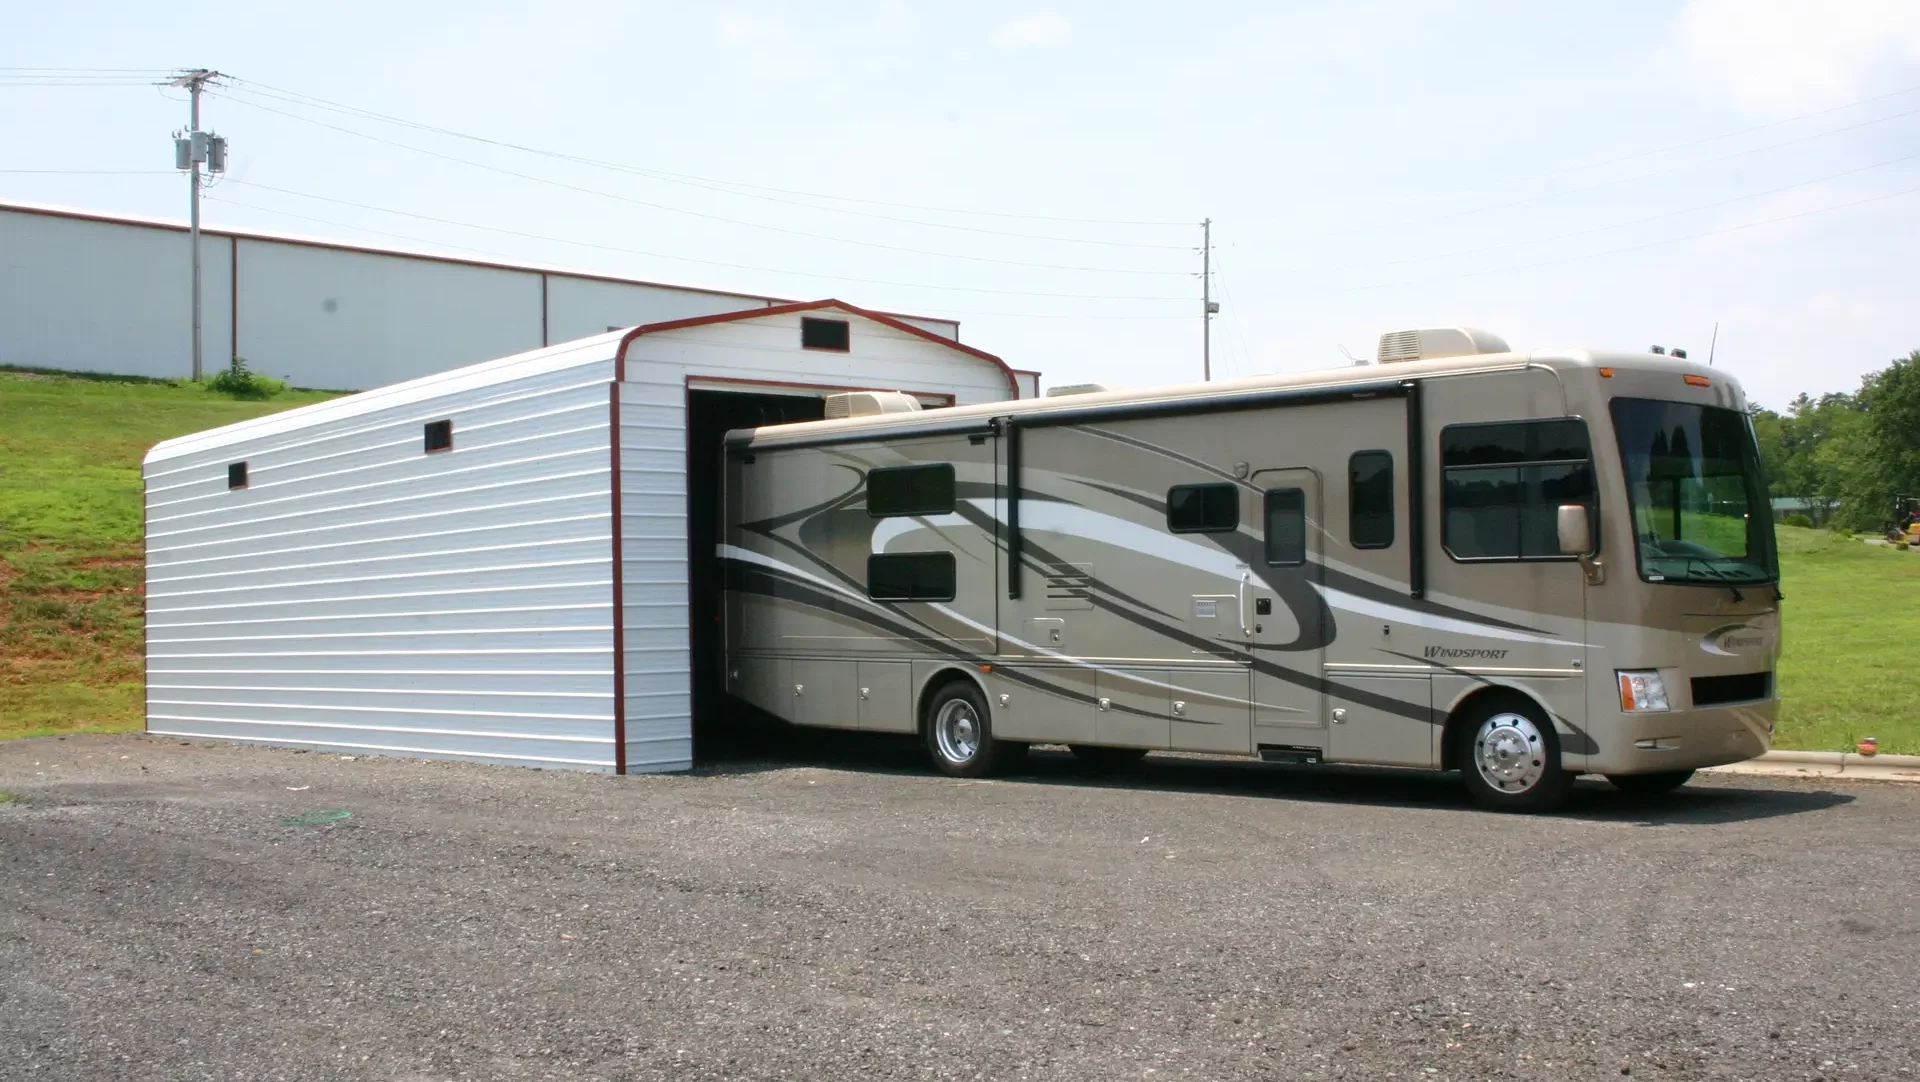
(620, 357)
(424, 257)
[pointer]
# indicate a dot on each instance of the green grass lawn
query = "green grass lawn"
(70, 562)
(1851, 635)
(71, 585)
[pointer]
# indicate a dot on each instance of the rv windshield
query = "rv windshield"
(1700, 510)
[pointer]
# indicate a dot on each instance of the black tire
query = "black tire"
(1651, 784)
(1509, 756)
(1105, 758)
(958, 733)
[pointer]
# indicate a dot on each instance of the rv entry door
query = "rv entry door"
(1287, 618)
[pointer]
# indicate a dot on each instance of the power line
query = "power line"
(91, 172)
(694, 213)
(651, 255)
(298, 97)
(1544, 196)
(1629, 248)
(1632, 222)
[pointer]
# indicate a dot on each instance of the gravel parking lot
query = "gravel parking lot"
(844, 914)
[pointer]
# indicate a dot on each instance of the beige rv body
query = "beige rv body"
(1085, 619)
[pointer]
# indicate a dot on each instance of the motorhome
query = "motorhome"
(1523, 566)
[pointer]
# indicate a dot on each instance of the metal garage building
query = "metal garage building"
(109, 293)
(509, 562)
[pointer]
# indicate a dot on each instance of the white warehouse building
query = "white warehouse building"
(508, 562)
(83, 291)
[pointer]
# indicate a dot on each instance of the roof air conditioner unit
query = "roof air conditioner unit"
(1077, 388)
(1431, 343)
(868, 403)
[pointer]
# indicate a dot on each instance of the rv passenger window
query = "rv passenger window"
(1503, 485)
(1286, 527)
(910, 490)
(1370, 499)
(824, 334)
(1203, 509)
(910, 576)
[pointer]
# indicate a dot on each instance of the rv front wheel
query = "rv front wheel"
(959, 732)
(1510, 757)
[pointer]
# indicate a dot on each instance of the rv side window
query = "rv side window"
(1286, 527)
(1203, 509)
(910, 576)
(1370, 499)
(910, 490)
(1503, 485)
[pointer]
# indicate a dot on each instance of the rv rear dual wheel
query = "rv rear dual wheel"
(959, 733)
(1510, 757)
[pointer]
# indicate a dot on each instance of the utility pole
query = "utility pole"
(1208, 306)
(191, 149)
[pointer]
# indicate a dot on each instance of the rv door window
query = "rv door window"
(1203, 509)
(1503, 485)
(910, 490)
(1286, 527)
(910, 576)
(1370, 499)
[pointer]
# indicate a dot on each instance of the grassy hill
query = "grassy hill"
(70, 558)
(71, 601)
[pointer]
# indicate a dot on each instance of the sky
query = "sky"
(1604, 176)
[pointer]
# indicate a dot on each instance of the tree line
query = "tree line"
(1848, 456)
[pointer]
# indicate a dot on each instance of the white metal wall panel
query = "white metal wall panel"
(363, 595)
(578, 307)
(340, 320)
(653, 560)
(105, 297)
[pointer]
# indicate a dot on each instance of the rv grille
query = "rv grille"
(1747, 687)
(1400, 346)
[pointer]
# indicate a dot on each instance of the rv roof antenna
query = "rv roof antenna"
(1712, 344)
(1348, 354)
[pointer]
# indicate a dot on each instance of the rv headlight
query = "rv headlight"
(1642, 691)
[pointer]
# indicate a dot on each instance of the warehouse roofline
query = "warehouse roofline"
(52, 210)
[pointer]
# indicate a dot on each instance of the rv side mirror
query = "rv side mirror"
(1576, 531)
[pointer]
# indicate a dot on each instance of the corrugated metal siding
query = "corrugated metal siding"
(577, 307)
(363, 595)
(110, 294)
(323, 318)
(653, 556)
(99, 297)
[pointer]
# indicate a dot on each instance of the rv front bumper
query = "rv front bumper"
(1653, 743)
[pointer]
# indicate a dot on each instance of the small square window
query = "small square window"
(439, 436)
(825, 334)
(236, 475)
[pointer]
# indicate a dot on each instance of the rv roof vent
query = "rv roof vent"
(868, 403)
(1429, 343)
(1077, 388)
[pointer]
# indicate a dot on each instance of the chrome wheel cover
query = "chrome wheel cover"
(1510, 753)
(957, 730)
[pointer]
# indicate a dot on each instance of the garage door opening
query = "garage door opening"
(722, 726)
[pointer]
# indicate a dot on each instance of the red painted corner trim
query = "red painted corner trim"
(620, 356)
(619, 595)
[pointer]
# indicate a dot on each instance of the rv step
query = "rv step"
(1287, 753)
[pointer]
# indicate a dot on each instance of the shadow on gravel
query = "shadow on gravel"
(1592, 798)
